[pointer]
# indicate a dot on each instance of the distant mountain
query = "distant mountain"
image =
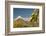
(26, 19)
(19, 17)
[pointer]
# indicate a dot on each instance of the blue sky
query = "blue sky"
(24, 12)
